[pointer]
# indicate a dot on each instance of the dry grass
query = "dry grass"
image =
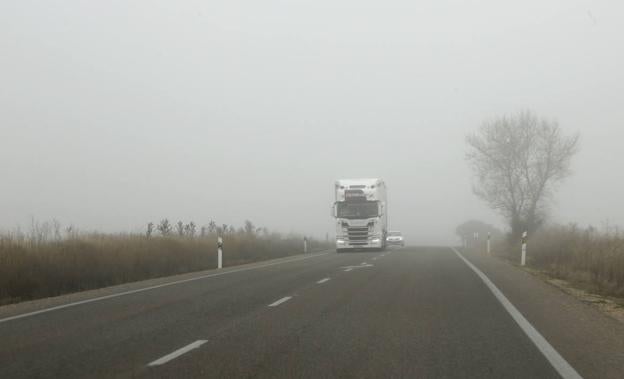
(33, 267)
(587, 257)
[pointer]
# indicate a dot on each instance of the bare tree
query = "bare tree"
(180, 228)
(190, 229)
(249, 228)
(164, 227)
(56, 225)
(212, 226)
(150, 229)
(518, 162)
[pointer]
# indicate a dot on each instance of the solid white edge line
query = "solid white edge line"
(177, 353)
(323, 281)
(280, 301)
(111, 296)
(556, 360)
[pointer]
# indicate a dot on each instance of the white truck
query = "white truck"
(361, 215)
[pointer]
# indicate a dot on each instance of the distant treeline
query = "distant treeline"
(49, 260)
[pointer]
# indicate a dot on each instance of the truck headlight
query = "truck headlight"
(375, 240)
(340, 242)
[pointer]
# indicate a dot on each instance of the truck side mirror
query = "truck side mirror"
(333, 210)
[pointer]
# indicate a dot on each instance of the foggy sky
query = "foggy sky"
(116, 113)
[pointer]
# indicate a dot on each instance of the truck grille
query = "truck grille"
(358, 235)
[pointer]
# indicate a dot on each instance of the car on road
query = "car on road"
(395, 238)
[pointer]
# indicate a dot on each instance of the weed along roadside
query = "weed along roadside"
(590, 259)
(46, 264)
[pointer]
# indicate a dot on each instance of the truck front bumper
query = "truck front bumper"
(372, 243)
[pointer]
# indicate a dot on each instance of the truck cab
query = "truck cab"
(360, 212)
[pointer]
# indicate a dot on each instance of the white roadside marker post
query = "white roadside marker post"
(475, 241)
(305, 245)
(524, 248)
(489, 247)
(219, 253)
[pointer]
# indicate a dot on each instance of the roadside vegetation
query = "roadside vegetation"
(49, 260)
(588, 258)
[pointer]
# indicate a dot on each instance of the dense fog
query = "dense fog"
(114, 114)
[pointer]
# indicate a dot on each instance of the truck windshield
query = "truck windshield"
(366, 209)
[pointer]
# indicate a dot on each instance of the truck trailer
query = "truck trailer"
(360, 212)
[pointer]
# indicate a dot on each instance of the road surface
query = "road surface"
(405, 313)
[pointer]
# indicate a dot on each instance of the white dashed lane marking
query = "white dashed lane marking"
(177, 353)
(280, 301)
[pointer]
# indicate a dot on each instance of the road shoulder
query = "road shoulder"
(590, 340)
(611, 306)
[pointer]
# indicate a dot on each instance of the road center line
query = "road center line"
(280, 301)
(347, 270)
(556, 360)
(177, 353)
(323, 281)
(112, 296)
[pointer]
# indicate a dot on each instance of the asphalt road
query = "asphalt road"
(406, 313)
